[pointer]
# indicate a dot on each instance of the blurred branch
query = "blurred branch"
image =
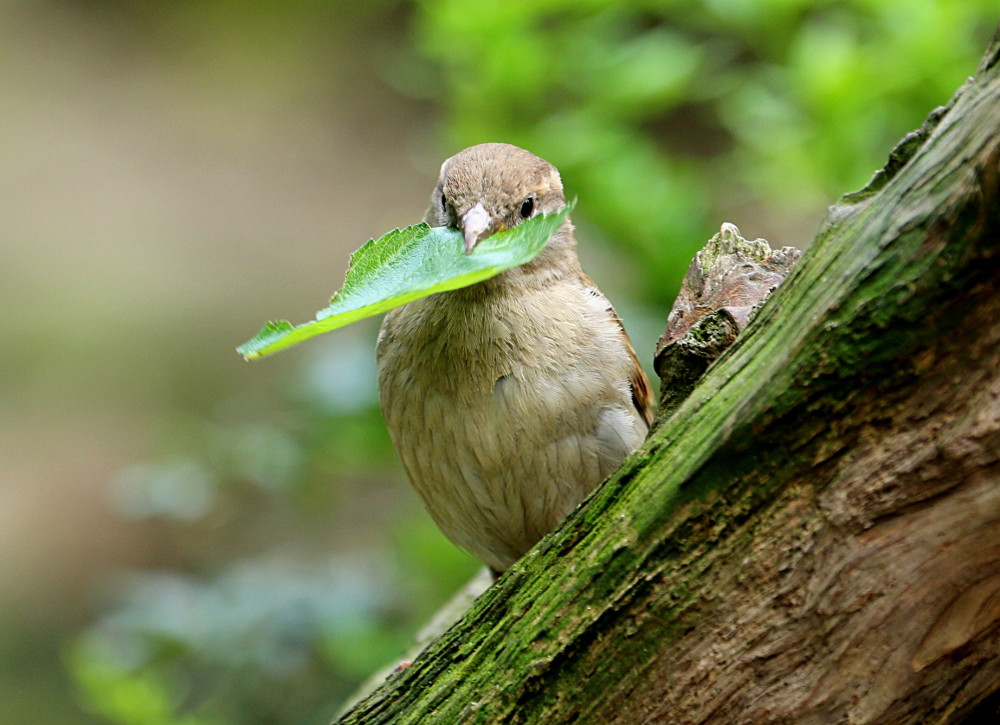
(812, 536)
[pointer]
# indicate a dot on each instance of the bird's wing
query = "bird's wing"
(642, 391)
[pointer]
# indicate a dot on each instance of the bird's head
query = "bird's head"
(492, 187)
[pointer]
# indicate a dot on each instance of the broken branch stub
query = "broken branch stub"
(727, 282)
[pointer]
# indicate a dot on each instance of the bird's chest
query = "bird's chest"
(465, 355)
(483, 368)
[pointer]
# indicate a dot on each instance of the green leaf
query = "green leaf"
(405, 265)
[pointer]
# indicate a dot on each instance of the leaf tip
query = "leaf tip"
(271, 332)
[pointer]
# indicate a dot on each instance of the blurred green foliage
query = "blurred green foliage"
(659, 116)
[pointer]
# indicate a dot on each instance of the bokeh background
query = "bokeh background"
(189, 538)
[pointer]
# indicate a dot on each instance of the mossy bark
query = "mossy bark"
(813, 535)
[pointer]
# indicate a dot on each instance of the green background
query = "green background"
(187, 538)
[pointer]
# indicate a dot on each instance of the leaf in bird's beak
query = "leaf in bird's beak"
(405, 265)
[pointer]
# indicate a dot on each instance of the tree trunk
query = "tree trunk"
(813, 535)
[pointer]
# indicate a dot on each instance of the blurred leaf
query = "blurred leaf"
(405, 265)
(129, 698)
(263, 641)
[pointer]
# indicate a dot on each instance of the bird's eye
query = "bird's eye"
(527, 207)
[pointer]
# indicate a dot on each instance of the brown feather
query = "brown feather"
(642, 391)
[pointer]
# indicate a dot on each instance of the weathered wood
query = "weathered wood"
(727, 282)
(813, 536)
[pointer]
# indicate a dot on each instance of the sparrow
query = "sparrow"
(510, 400)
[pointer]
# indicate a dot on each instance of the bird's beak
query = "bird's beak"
(477, 224)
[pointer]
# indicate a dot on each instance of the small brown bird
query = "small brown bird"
(510, 400)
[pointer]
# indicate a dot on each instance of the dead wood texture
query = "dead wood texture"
(725, 286)
(813, 536)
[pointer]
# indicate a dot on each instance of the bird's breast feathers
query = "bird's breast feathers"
(462, 348)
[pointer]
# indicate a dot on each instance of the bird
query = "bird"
(510, 400)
